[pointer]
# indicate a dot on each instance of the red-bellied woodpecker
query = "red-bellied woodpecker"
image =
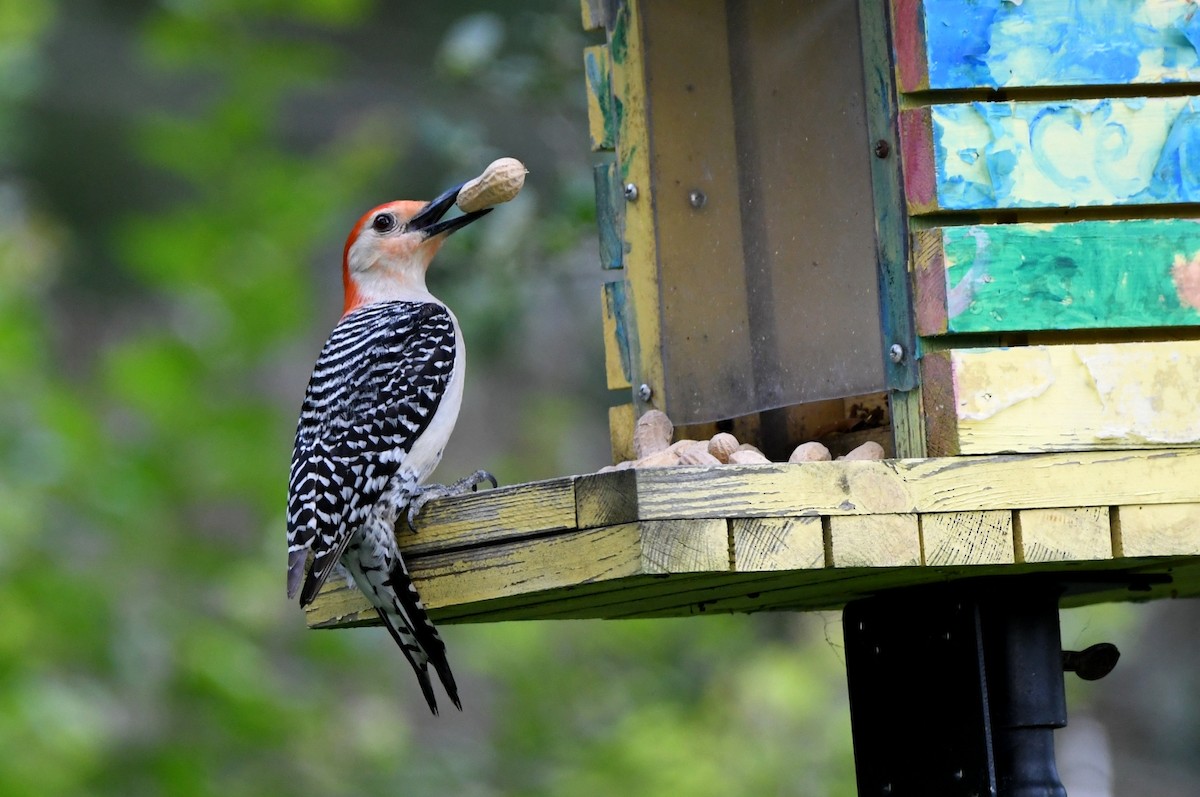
(380, 406)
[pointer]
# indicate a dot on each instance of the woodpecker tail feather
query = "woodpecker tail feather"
(296, 562)
(396, 626)
(426, 633)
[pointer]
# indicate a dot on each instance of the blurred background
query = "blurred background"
(177, 178)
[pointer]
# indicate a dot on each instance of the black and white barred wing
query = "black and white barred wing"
(375, 389)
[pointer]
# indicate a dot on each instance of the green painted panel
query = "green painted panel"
(1081, 275)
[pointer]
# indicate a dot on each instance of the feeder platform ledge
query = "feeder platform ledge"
(1115, 525)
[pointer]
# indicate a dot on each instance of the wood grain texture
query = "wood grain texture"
(698, 594)
(967, 538)
(874, 541)
(601, 119)
(684, 546)
(1083, 275)
(949, 44)
(603, 499)
(944, 484)
(1065, 398)
(1062, 535)
(616, 336)
(1158, 530)
(1067, 153)
(621, 421)
(930, 292)
(917, 146)
(755, 538)
(909, 45)
(764, 544)
(493, 515)
(530, 566)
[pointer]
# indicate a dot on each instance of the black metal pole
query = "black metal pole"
(1023, 654)
(957, 690)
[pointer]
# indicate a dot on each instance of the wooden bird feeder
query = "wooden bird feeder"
(967, 231)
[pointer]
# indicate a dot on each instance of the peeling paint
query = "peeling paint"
(1001, 383)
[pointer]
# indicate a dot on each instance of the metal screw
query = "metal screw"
(631, 192)
(696, 198)
(644, 392)
(882, 149)
(896, 353)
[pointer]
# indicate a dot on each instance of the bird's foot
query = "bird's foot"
(423, 495)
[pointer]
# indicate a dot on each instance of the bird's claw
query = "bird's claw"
(429, 492)
(477, 478)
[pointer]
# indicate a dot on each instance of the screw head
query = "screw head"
(644, 392)
(631, 192)
(696, 198)
(896, 353)
(882, 149)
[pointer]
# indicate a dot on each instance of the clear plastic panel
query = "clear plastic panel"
(763, 205)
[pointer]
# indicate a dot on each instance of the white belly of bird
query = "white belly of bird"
(427, 452)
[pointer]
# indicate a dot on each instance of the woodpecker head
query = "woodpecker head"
(390, 248)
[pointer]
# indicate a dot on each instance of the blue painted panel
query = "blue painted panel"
(1067, 153)
(1002, 43)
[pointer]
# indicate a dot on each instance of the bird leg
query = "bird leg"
(419, 495)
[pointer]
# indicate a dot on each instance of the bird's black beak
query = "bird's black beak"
(427, 220)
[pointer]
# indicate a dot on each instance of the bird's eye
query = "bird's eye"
(384, 222)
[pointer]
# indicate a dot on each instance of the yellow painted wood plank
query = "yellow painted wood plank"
(475, 563)
(493, 515)
(967, 538)
(1064, 398)
(875, 541)
(529, 566)
(1062, 535)
(616, 342)
(787, 543)
(592, 14)
(800, 590)
(498, 571)
(677, 594)
(626, 55)
(621, 422)
(1159, 530)
(684, 546)
(945, 484)
(600, 110)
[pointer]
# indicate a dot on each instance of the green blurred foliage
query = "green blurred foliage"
(175, 179)
(164, 285)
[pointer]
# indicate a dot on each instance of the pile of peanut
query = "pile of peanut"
(652, 448)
